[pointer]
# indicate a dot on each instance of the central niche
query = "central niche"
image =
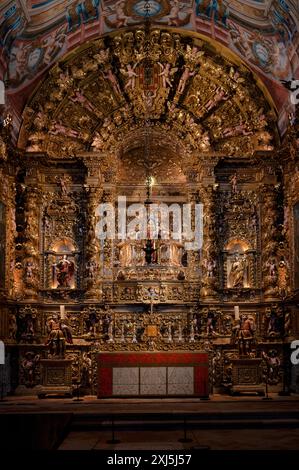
(152, 181)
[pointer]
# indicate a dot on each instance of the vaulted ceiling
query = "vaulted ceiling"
(36, 34)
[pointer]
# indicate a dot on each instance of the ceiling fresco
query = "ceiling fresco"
(35, 34)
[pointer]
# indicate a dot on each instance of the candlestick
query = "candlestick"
(237, 312)
(62, 312)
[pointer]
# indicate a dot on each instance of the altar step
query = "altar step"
(241, 421)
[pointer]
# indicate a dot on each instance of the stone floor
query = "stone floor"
(224, 439)
(90, 404)
(222, 423)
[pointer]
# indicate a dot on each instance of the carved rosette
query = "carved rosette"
(31, 243)
(209, 249)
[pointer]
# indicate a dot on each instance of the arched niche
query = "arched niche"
(61, 264)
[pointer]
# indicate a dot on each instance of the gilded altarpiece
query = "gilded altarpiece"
(211, 136)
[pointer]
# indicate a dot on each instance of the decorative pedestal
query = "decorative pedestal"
(246, 375)
(56, 377)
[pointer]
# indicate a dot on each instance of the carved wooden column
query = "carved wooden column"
(92, 271)
(270, 246)
(291, 184)
(7, 198)
(107, 245)
(31, 266)
(11, 223)
(209, 248)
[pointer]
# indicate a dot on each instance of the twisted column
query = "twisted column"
(31, 244)
(209, 249)
(270, 244)
(92, 281)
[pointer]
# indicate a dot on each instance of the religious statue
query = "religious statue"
(125, 253)
(91, 323)
(107, 324)
(240, 129)
(148, 98)
(211, 323)
(59, 129)
(29, 270)
(91, 267)
(64, 270)
(243, 334)
(166, 73)
(12, 326)
(220, 95)
(272, 366)
(131, 75)
(236, 276)
(78, 97)
(59, 334)
(210, 266)
(86, 377)
(98, 142)
(233, 181)
(29, 364)
(153, 295)
(184, 78)
(150, 252)
(62, 182)
(192, 332)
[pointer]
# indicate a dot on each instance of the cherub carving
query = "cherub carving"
(130, 74)
(166, 73)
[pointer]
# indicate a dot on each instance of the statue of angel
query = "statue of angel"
(220, 95)
(210, 266)
(184, 78)
(193, 55)
(130, 74)
(166, 73)
(98, 142)
(102, 57)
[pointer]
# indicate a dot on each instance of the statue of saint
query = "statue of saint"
(125, 253)
(243, 334)
(237, 272)
(64, 270)
(59, 334)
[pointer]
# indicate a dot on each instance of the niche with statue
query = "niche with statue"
(61, 262)
(239, 265)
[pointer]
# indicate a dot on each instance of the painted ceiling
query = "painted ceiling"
(35, 34)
